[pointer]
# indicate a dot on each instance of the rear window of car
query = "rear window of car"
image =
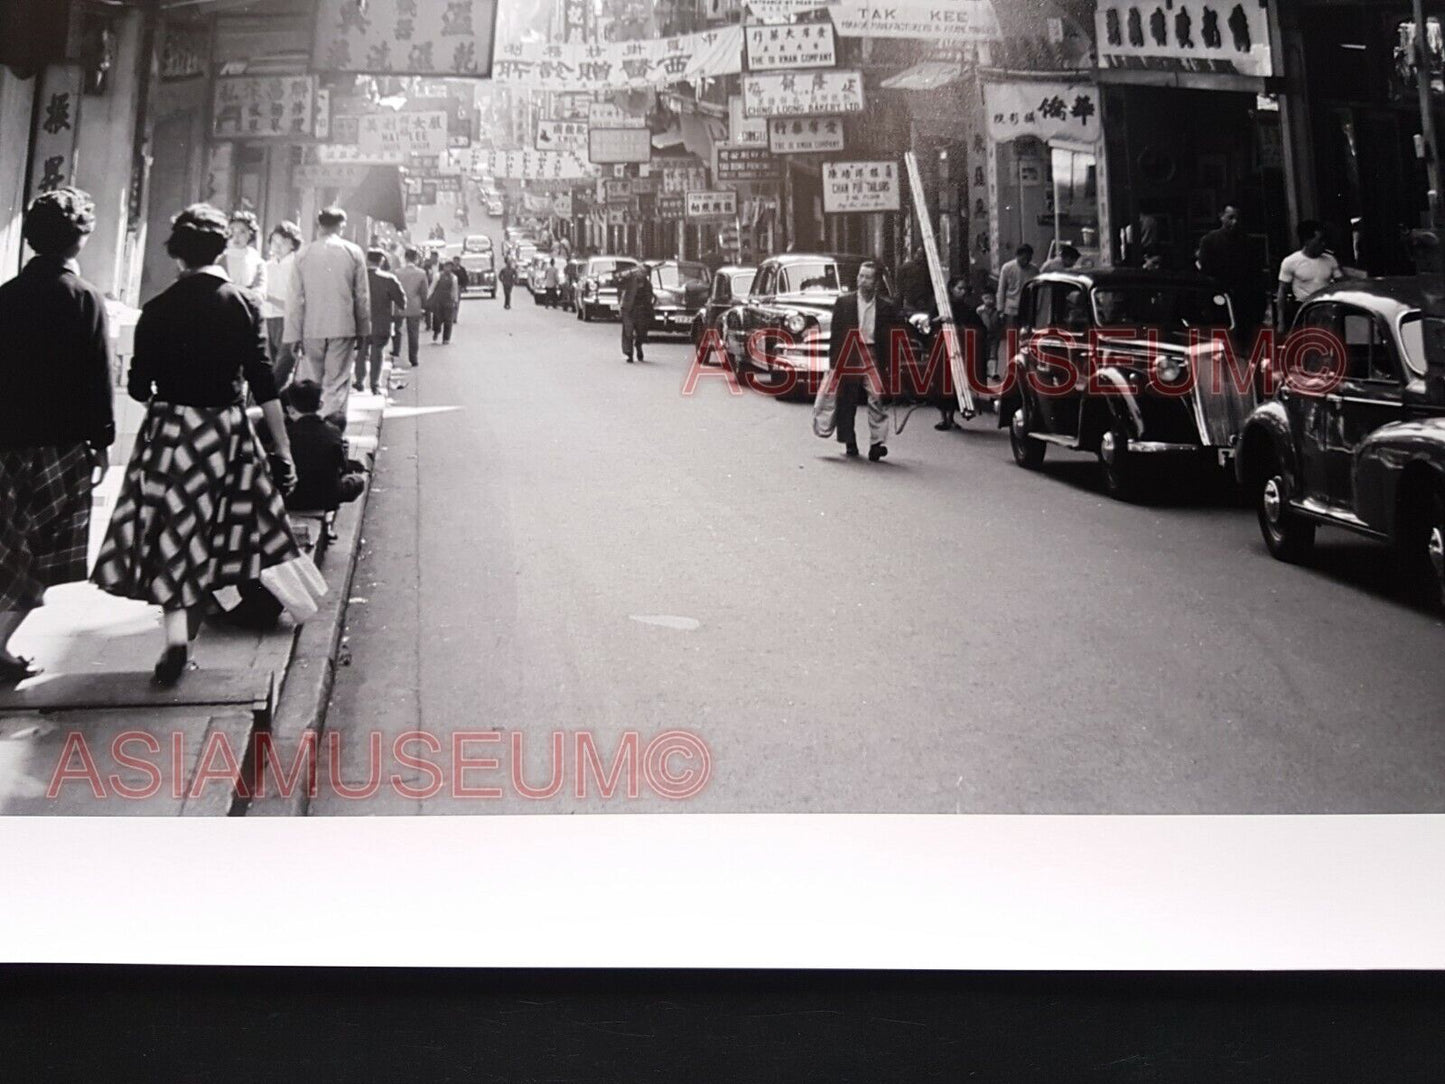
(477, 244)
(804, 278)
(670, 276)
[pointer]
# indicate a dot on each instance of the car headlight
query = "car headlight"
(795, 322)
(1170, 369)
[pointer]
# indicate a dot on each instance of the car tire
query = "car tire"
(1028, 452)
(1423, 544)
(1287, 535)
(1120, 467)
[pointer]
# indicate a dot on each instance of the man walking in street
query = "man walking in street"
(550, 281)
(1224, 256)
(330, 313)
(386, 295)
(860, 344)
(635, 302)
(508, 279)
(1304, 273)
(1012, 278)
(414, 287)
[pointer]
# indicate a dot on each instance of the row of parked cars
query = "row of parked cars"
(1341, 424)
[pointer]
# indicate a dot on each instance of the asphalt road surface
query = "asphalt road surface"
(561, 542)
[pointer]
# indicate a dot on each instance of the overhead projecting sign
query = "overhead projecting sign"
(809, 135)
(804, 45)
(859, 187)
(613, 145)
(948, 22)
(405, 37)
(802, 94)
(620, 65)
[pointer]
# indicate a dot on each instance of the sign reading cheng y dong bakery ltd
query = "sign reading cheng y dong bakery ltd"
(1188, 35)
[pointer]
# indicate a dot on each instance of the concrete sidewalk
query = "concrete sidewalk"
(189, 754)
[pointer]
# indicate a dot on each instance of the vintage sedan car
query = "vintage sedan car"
(597, 288)
(494, 207)
(481, 269)
(522, 255)
(729, 284)
(476, 242)
(791, 299)
(1124, 364)
(679, 288)
(1358, 441)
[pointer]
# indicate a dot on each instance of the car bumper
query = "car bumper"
(672, 320)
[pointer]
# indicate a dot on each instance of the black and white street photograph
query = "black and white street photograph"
(478, 407)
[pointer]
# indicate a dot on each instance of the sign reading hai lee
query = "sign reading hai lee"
(1188, 36)
(405, 37)
(857, 187)
(415, 133)
(712, 205)
(776, 48)
(948, 22)
(809, 135)
(745, 164)
(613, 145)
(802, 94)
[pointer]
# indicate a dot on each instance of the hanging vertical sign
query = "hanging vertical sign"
(54, 137)
(801, 45)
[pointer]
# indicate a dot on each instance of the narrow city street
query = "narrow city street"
(560, 541)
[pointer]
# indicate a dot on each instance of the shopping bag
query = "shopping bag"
(825, 407)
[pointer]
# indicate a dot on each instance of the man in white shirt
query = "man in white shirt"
(329, 311)
(282, 245)
(1304, 273)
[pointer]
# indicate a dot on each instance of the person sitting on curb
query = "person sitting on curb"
(325, 478)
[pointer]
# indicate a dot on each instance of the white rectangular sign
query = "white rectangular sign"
(678, 180)
(610, 115)
(805, 135)
(348, 153)
(412, 133)
(802, 94)
(803, 45)
(527, 165)
(712, 205)
(948, 22)
(1043, 110)
(1191, 36)
(860, 187)
(561, 135)
(743, 130)
(621, 65)
(613, 145)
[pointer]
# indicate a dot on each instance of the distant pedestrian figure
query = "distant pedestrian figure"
(56, 420)
(198, 509)
(635, 301)
(414, 285)
(242, 260)
(550, 281)
(330, 311)
(508, 279)
(283, 244)
(442, 304)
(387, 297)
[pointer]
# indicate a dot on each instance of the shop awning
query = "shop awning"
(927, 75)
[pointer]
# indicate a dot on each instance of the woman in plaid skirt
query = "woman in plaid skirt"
(56, 423)
(198, 509)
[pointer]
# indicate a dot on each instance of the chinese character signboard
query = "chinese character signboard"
(745, 131)
(860, 187)
(264, 106)
(1187, 36)
(1044, 110)
(802, 94)
(562, 135)
(947, 22)
(617, 190)
(414, 133)
(781, 9)
(621, 65)
(808, 135)
(677, 180)
(671, 208)
(341, 153)
(184, 51)
(528, 165)
(610, 145)
(745, 164)
(712, 205)
(806, 45)
(54, 146)
(405, 37)
(608, 115)
(336, 175)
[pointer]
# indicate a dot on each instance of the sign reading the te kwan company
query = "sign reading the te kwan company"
(778, 48)
(805, 136)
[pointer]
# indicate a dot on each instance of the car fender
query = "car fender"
(1385, 458)
(1267, 430)
(1117, 402)
(1013, 398)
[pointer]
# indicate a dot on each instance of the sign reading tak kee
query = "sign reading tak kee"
(950, 22)
(800, 94)
(857, 187)
(712, 205)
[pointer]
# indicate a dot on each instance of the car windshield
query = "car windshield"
(477, 244)
(673, 276)
(807, 278)
(1424, 341)
(742, 283)
(1165, 309)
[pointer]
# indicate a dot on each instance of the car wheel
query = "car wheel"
(1028, 452)
(1424, 545)
(1287, 535)
(1120, 466)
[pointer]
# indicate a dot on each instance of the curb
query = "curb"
(311, 670)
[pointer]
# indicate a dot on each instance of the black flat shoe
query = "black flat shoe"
(877, 452)
(171, 665)
(943, 427)
(851, 451)
(18, 670)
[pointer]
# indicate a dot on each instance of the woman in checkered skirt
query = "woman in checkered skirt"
(198, 509)
(56, 424)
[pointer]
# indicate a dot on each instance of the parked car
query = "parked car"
(1147, 394)
(729, 284)
(680, 288)
(522, 256)
(494, 207)
(1359, 445)
(792, 294)
(598, 286)
(481, 269)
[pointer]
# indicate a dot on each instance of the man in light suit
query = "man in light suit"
(863, 326)
(330, 310)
